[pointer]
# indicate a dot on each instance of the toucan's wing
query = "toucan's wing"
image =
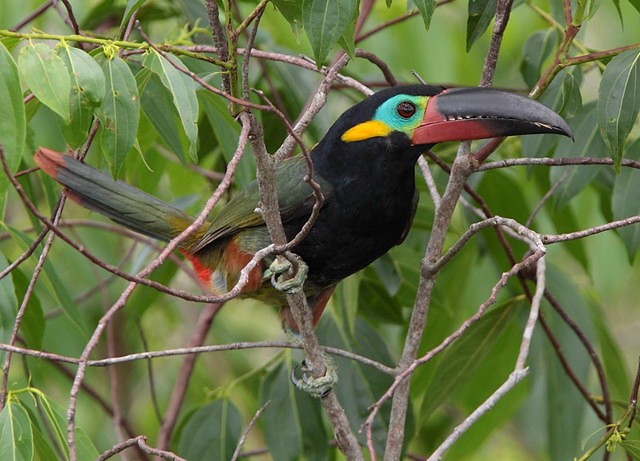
(295, 198)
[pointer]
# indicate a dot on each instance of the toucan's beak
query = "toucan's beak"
(462, 114)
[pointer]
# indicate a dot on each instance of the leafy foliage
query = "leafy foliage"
(147, 113)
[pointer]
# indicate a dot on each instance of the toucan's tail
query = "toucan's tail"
(117, 200)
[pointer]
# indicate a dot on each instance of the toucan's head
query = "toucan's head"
(422, 115)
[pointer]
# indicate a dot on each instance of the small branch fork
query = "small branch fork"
(536, 257)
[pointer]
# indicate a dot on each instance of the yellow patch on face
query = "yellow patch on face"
(366, 130)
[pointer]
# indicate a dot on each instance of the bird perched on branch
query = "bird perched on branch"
(364, 166)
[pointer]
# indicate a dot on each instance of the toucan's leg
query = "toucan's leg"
(282, 266)
(316, 387)
(317, 303)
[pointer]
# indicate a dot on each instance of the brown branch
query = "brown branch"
(219, 39)
(245, 433)
(184, 375)
(549, 333)
(408, 371)
(25, 255)
(266, 168)
(384, 68)
(549, 238)
(88, 390)
(194, 350)
(298, 61)
(559, 161)
(461, 170)
(386, 24)
(503, 12)
(73, 22)
(29, 291)
(140, 441)
(150, 375)
(633, 398)
(555, 344)
(35, 14)
(119, 304)
(607, 418)
(253, 16)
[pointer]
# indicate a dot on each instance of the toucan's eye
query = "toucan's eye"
(406, 109)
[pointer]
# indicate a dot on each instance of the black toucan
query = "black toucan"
(365, 167)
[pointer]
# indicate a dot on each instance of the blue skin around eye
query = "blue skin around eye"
(388, 114)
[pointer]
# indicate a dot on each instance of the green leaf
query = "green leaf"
(481, 12)
(348, 40)
(13, 125)
(619, 102)
(157, 105)
(227, 131)
(463, 357)
(625, 202)
(565, 405)
(46, 75)
(211, 432)
(563, 96)
(119, 113)
(489, 376)
(51, 281)
(635, 4)
(375, 301)
(16, 437)
(184, 97)
(345, 299)
(33, 321)
(426, 9)
(86, 92)
(132, 7)
(325, 21)
(359, 386)
(54, 419)
(613, 357)
(292, 12)
(588, 142)
(292, 422)
(8, 303)
(537, 49)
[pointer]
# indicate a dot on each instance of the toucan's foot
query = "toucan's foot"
(316, 387)
(280, 267)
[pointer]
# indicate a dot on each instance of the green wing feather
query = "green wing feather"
(295, 198)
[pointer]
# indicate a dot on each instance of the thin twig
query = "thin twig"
(35, 14)
(184, 375)
(140, 441)
(29, 291)
(409, 370)
(556, 161)
(514, 378)
(73, 22)
(549, 239)
(119, 304)
(195, 350)
(150, 375)
(431, 183)
(246, 431)
(633, 398)
(374, 59)
(593, 355)
(460, 172)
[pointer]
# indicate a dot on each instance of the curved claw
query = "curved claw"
(290, 285)
(316, 387)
